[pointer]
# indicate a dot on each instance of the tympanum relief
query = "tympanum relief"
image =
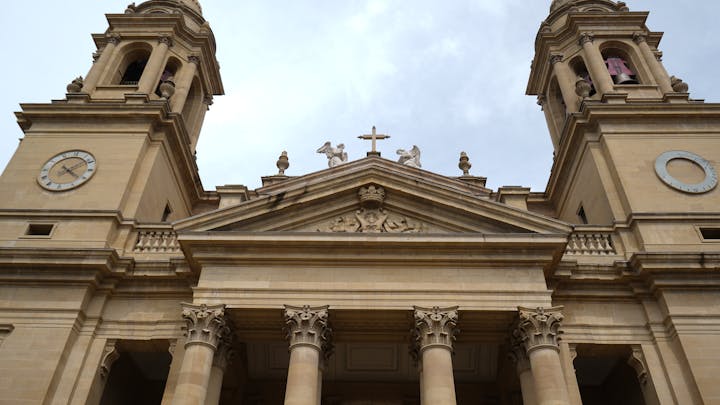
(372, 217)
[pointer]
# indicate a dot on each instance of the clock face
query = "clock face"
(67, 170)
(709, 183)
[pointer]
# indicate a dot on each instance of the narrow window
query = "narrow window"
(166, 213)
(581, 214)
(710, 233)
(39, 229)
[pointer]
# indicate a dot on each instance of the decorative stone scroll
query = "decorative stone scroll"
(371, 217)
(435, 327)
(637, 362)
(206, 324)
(539, 328)
(308, 326)
(110, 355)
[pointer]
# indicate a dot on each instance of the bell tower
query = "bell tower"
(121, 143)
(629, 141)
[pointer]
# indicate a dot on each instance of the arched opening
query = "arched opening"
(193, 110)
(581, 72)
(620, 65)
(168, 75)
(130, 69)
(139, 374)
(558, 109)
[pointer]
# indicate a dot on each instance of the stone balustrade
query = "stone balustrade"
(591, 241)
(156, 240)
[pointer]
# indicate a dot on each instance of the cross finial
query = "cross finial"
(374, 137)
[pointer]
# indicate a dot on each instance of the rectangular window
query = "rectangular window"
(39, 230)
(710, 233)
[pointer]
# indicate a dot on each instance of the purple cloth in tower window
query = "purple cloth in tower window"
(616, 66)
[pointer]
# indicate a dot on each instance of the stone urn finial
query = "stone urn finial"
(678, 85)
(167, 89)
(583, 87)
(283, 163)
(464, 164)
(76, 85)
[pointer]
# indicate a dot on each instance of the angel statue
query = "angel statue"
(336, 156)
(411, 158)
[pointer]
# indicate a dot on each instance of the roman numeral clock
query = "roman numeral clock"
(67, 170)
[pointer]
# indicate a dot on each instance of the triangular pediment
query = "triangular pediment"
(373, 195)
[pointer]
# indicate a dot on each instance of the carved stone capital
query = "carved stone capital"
(113, 39)
(435, 327)
(208, 100)
(518, 355)
(165, 39)
(206, 324)
(586, 37)
(224, 353)
(539, 328)
(639, 37)
(541, 100)
(194, 59)
(637, 362)
(110, 354)
(556, 57)
(308, 326)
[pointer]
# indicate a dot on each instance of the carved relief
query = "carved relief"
(110, 354)
(205, 324)
(435, 327)
(637, 362)
(518, 355)
(371, 217)
(308, 325)
(539, 328)
(225, 352)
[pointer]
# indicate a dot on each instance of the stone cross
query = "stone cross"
(374, 137)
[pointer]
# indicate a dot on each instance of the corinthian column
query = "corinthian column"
(223, 354)
(308, 334)
(538, 330)
(154, 68)
(206, 327)
(435, 330)
(519, 357)
(595, 64)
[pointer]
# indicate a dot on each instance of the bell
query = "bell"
(624, 78)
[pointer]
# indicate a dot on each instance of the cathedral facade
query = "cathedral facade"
(124, 281)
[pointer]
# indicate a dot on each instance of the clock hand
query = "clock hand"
(77, 165)
(70, 171)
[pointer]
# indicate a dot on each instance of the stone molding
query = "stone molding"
(206, 324)
(435, 327)
(539, 328)
(308, 326)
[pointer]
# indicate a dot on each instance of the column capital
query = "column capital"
(518, 355)
(194, 59)
(206, 324)
(113, 39)
(435, 327)
(165, 39)
(224, 353)
(556, 57)
(639, 37)
(538, 328)
(308, 326)
(586, 37)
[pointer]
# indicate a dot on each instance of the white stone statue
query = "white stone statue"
(410, 158)
(336, 156)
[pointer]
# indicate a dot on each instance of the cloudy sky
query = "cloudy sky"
(446, 76)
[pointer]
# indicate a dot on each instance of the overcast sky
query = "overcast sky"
(446, 76)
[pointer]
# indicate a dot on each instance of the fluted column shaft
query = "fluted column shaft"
(566, 81)
(154, 67)
(308, 334)
(206, 327)
(596, 65)
(435, 330)
(538, 331)
(184, 82)
(100, 65)
(657, 69)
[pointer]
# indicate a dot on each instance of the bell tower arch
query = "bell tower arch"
(121, 143)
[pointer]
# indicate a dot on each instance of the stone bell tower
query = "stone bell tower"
(122, 141)
(629, 141)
